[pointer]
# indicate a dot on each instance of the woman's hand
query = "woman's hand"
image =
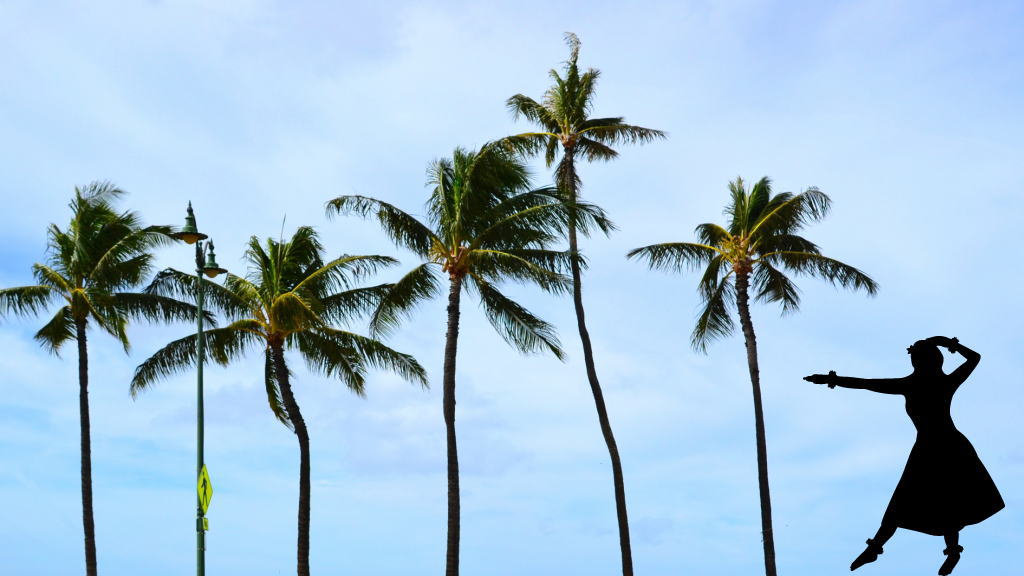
(943, 341)
(829, 378)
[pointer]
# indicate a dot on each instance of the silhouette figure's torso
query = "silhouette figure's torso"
(929, 400)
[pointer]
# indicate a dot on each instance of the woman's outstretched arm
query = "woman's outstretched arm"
(880, 385)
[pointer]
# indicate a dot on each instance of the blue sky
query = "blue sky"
(906, 113)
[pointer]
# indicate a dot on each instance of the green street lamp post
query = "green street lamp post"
(208, 266)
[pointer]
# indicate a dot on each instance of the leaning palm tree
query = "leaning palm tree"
(759, 243)
(289, 299)
(91, 268)
(484, 225)
(567, 127)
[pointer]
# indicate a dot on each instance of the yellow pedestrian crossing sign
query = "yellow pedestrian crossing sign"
(205, 489)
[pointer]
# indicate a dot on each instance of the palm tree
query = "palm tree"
(289, 299)
(759, 242)
(484, 225)
(91, 267)
(565, 125)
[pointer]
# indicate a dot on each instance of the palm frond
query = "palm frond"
(736, 209)
(528, 143)
(249, 298)
(717, 270)
(593, 150)
(341, 272)
(25, 300)
(380, 356)
(592, 124)
(782, 243)
(520, 105)
(787, 213)
(127, 260)
(263, 272)
(675, 256)
(336, 352)
(497, 168)
(516, 325)
(551, 148)
(541, 267)
(547, 209)
(346, 306)
(99, 192)
(538, 224)
(222, 345)
(556, 98)
(757, 201)
(836, 272)
(508, 206)
(123, 274)
(274, 397)
(443, 203)
(156, 308)
(330, 358)
(773, 286)
(711, 234)
(402, 297)
(97, 304)
(589, 216)
(60, 329)
(715, 320)
(171, 283)
(288, 262)
(580, 94)
(611, 131)
(402, 228)
(292, 312)
(47, 276)
(574, 47)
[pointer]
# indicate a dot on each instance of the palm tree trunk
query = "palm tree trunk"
(567, 181)
(742, 282)
(448, 401)
(83, 418)
(299, 425)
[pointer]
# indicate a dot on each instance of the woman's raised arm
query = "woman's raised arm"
(971, 358)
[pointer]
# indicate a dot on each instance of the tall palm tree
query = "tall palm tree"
(91, 267)
(289, 299)
(484, 225)
(566, 126)
(760, 241)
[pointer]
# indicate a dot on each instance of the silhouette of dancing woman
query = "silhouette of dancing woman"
(944, 486)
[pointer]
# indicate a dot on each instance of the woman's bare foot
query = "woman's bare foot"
(870, 554)
(952, 557)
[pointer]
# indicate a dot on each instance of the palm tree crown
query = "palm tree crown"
(289, 299)
(566, 127)
(484, 224)
(91, 267)
(760, 242)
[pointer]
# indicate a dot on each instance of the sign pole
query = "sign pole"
(200, 528)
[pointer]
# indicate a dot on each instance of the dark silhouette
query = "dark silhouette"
(944, 486)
